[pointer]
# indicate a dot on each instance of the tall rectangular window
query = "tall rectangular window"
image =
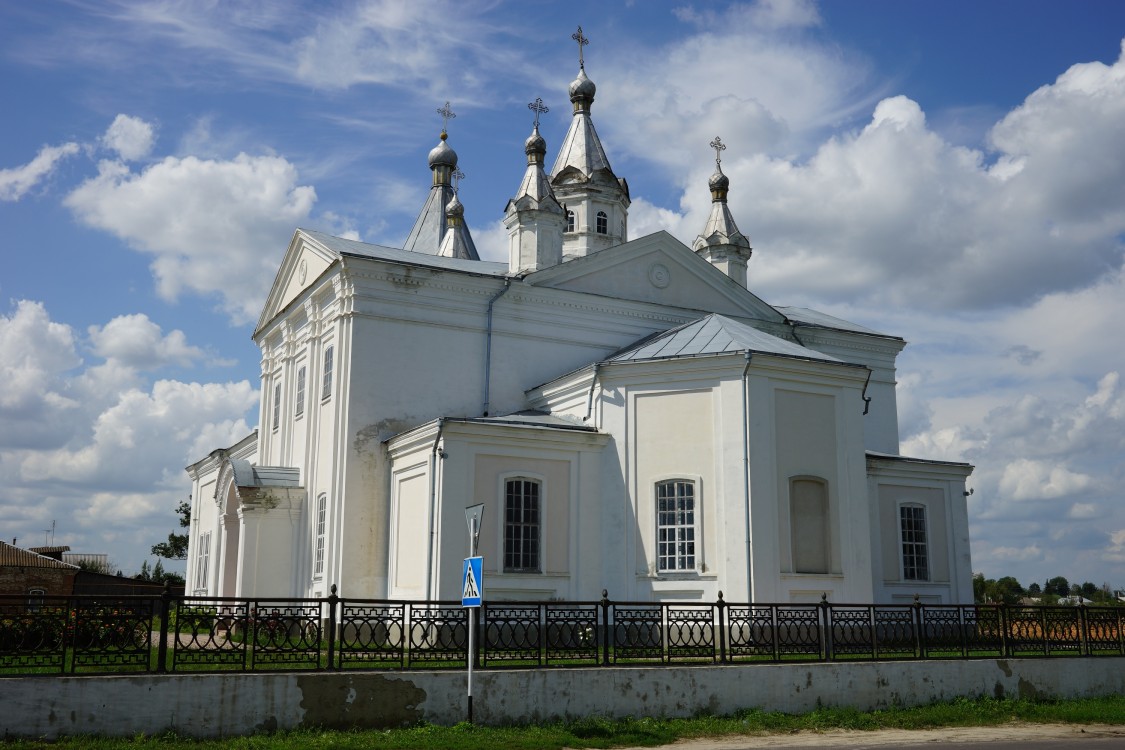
(521, 525)
(318, 545)
(915, 552)
(276, 405)
(202, 561)
(675, 525)
(326, 389)
(300, 392)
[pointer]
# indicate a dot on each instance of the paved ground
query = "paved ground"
(1037, 736)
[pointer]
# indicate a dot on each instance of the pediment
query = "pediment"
(658, 269)
(304, 262)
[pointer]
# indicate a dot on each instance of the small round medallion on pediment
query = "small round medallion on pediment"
(302, 271)
(659, 275)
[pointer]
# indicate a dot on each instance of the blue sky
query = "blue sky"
(953, 173)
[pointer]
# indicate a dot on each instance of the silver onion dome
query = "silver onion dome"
(718, 181)
(442, 155)
(582, 88)
(454, 208)
(535, 143)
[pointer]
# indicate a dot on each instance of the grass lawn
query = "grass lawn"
(605, 733)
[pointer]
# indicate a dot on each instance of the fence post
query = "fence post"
(826, 627)
(722, 629)
(1005, 639)
(162, 647)
(332, 601)
(919, 634)
(1084, 629)
(605, 626)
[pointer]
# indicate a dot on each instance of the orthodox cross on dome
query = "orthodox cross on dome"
(719, 147)
(457, 176)
(538, 107)
(582, 42)
(446, 115)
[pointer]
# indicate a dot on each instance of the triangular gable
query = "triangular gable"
(304, 262)
(658, 269)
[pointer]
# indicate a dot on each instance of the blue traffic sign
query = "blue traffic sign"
(472, 581)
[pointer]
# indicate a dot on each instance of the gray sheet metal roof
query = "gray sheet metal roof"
(581, 149)
(359, 249)
(714, 334)
(247, 475)
(805, 316)
(531, 418)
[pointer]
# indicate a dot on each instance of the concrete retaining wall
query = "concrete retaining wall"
(234, 704)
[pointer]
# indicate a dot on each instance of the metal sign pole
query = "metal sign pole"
(472, 591)
(472, 618)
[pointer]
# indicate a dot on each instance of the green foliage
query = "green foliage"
(1006, 590)
(177, 545)
(157, 574)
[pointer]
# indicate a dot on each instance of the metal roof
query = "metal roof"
(714, 334)
(805, 316)
(356, 248)
(530, 418)
(14, 556)
(248, 475)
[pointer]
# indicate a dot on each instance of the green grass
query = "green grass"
(607, 733)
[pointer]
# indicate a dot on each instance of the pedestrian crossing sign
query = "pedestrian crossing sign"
(472, 582)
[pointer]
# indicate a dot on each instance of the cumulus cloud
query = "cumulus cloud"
(875, 214)
(95, 440)
(152, 428)
(35, 356)
(17, 181)
(130, 137)
(137, 342)
(214, 227)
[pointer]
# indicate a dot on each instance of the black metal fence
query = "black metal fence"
(88, 635)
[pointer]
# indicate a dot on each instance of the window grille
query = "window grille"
(915, 552)
(675, 525)
(521, 525)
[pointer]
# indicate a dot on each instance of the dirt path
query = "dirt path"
(893, 737)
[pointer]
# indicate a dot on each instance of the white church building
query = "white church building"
(630, 414)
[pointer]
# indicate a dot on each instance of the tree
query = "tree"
(1058, 586)
(1034, 590)
(157, 574)
(1007, 590)
(176, 546)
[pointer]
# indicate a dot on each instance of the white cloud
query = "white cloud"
(130, 137)
(874, 216)
(35, 356)
(17, 181)
(1025, 479)
(144, 436)
(213, 227)
(99, 443)
(137, 342)
(392, 43)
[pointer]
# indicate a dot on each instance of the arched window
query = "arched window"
(522, 515)
(809, 525)
(321, 527)
(570, 221)
(603, 222)
(675, 525)
(915, 548)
